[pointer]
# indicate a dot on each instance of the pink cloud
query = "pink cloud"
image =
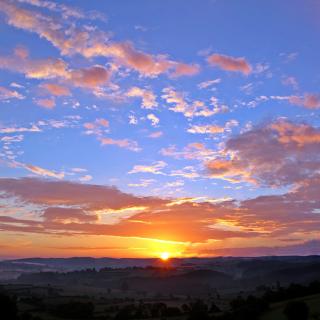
(228, 63)
(182, 69)
(122, 143)
(91, 43)
(35, 69)
(56, 89)
(264, 217)
(309, 101)
(280, 153)
(91, 77)
(149, 99)
(46, 103)
(6, 94)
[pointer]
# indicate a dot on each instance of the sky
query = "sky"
(133, 128)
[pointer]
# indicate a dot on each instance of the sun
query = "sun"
(164, 256)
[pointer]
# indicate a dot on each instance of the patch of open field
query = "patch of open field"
(276, 310)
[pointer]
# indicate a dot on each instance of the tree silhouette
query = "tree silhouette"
(8, 307)
(198, 310)
(297, 310)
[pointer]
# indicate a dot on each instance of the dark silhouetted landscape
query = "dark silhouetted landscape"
(210, 288)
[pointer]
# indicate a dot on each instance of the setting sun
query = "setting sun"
(165, 256)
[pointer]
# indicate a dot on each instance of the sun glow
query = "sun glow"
(164, 256)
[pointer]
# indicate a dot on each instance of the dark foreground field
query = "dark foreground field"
(219, 288)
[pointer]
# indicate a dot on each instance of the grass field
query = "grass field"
(276, 310)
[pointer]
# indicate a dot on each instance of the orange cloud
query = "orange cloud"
(56, 89)
(309, 101)
(69, 208)
(300, 134)
(39, 170)
(228, 63)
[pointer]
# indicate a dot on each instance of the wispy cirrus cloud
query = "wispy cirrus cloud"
(39, 170)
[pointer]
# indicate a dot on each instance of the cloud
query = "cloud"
(277, 154)
(154, 169)
(132, 119)
(56, 89)
(208, 83)
(98, 127)
(148, 97)
(6, 94)
(59, 193)
(143, 183)
(309, 101)
(290, 81)
(68, 215)
(107, 211)
(188, 172)
(156, 134)
(91, 77)
(178, 102)
(85, 178)
(146, 64)
(228, 63)
(206, 129)
(71, 208)
(35, 69)
(305, 249)
(183, 69)
(39, 170)
(121, 143)
(66, 11)
(46, 103)
(154, 119)
(33, 128)
(91, 43)
(194, 150)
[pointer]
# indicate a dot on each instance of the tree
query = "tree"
(198, 310)
(8, 307)
(297, 310)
